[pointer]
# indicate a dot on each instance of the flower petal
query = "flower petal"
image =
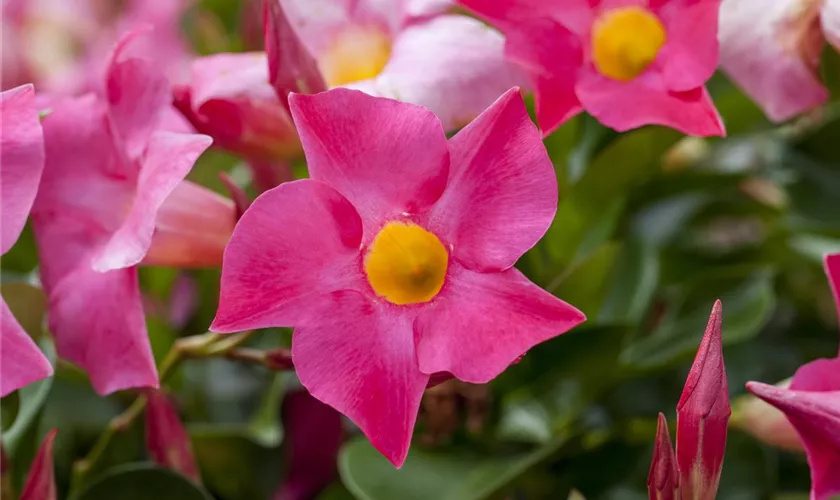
(643, 101)
(21, 362)
(98, 323)
(21, 160)
(386, 157)
(167, 160)
(690, 55)
(502, 191)
(359, 358)
(296, 244)
(481, 322)
(816, 417)
(453, 65)
(577, 15)
(819, 375)
(830, 19)
(771, 50)
(832, 270)
(137, 93)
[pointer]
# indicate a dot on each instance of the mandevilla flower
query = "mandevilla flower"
(403, 49)
(772, 51)
(112, 197)
(816, 417)
(395, 261)
(21, 165)
(627, 63)
(812, 406)
(702, 415)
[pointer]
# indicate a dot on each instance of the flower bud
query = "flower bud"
(167, 441)
(40, 483)
(664, 477)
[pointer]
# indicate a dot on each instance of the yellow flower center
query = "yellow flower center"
(625, 41)
(406, 264)
(356, 54)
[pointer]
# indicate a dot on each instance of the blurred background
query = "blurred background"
(651, 228)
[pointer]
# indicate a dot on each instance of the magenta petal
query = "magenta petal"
(628, 105)
(816, 417)
(21, 362)
(832, 270)
(830, 21)
(291, 67)
(21, 160)
(359, 358)
(702, 416)
(137, 93)
(576, 14)
(98, 323)
(819, 375)
(502, 191)
(296, 244)
(482, 322)
(40, 482)
(386, 157)
(168, 159)
(690, 56)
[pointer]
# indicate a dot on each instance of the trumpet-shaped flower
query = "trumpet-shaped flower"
(21, 165)
(112, 197)
(395, 261)
(702, 415)
(815, 381)
(772, 51)
(627, 63)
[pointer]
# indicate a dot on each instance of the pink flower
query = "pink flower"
(772, 51)
(40, 482)
(167, 441)
(816, 417)
(62, 45)
(702, 415)
(817, 381)
(21, 165)
(112, 197)
(663, 478)
(395, 261)
(626, 62)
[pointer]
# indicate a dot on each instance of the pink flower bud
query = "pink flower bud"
(167, 441)
(702, 416)
(40, 483)
(663, 478)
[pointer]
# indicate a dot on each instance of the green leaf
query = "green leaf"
(32, 399)
(439, 475)
(142, 482)
(747, 307)
(634, 281)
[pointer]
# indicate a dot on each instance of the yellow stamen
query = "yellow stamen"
(356, 54)
(406, 264)
(625, 41)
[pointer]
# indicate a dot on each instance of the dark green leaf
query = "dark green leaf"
(142, 482)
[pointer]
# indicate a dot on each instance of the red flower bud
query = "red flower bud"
(167, 441)
(663, 478)
(702, 416)
(40, 483)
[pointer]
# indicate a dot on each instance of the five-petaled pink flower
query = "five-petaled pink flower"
(772, 51)
(112, 197)
(408, 50)
(395, 261)
(626, 62)
(21, 165)
(812, 405)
